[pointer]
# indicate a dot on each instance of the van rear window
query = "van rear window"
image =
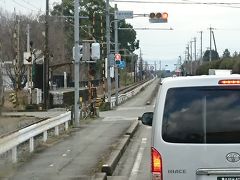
(202, 115)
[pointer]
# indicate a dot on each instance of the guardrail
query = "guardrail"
(123, 97)
(12, 141)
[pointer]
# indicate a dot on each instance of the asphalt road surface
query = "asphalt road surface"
(81, 154)
(135, 164)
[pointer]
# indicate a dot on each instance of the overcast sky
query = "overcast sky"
(186, 20)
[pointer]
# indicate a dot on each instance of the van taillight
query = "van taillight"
(229, 81)
(156, 165)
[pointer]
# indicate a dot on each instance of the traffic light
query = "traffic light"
(79, 50)
(95, 53)
(158, 17)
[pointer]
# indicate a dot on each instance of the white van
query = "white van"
(196, 129)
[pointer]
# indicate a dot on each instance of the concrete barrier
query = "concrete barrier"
(116, 155)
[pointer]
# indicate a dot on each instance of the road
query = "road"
(80, 154)
(135, 162)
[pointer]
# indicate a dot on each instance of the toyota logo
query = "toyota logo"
(233, 157)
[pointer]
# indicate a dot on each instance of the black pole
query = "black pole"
(46, 60)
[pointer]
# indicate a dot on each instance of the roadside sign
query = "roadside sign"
(111, 59)
(117, 57)
(112, 72)
(158, 20)
(123, 15)
(26, 56)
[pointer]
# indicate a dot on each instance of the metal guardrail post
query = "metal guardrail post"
(66, 126)
(57, 131)
(31, 144)
(45, 135)
(14, 154)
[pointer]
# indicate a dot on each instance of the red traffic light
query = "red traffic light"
(117, 57)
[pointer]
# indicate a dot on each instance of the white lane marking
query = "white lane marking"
(118, 118)
(138, 160)
(130, 108)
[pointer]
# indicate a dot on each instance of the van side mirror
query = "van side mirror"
(147, 118)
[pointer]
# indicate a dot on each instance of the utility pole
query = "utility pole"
(62, 31)
(76, 62)
(46, 60)
(1, 88)
(141, 65)
(195, 48)
(210, 52)
(191, 55)
(29, 77)
(18, 55)
(201, 57)
(188, 59)
(214, 40)
(108, 50)
(160, 69)
(29, 66)
(155, 67)
(116, 52)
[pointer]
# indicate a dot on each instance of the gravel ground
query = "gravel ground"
(10, 124)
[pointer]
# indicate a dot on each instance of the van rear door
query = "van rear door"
(201, 133)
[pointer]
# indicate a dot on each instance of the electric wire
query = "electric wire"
(27, 2)
(228, 6)
(218, 4)
(176, 2)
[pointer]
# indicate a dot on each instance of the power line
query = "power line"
(228, 6)
(175, 2)
(25, 7)
(27, 2)
(21, 5)
(30, 4)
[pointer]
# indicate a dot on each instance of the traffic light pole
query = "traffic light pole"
(116, 52)
(76, 62)
(108, 50)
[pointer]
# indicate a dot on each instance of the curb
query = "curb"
(116, 155)
(100, 176)
(132, 129)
